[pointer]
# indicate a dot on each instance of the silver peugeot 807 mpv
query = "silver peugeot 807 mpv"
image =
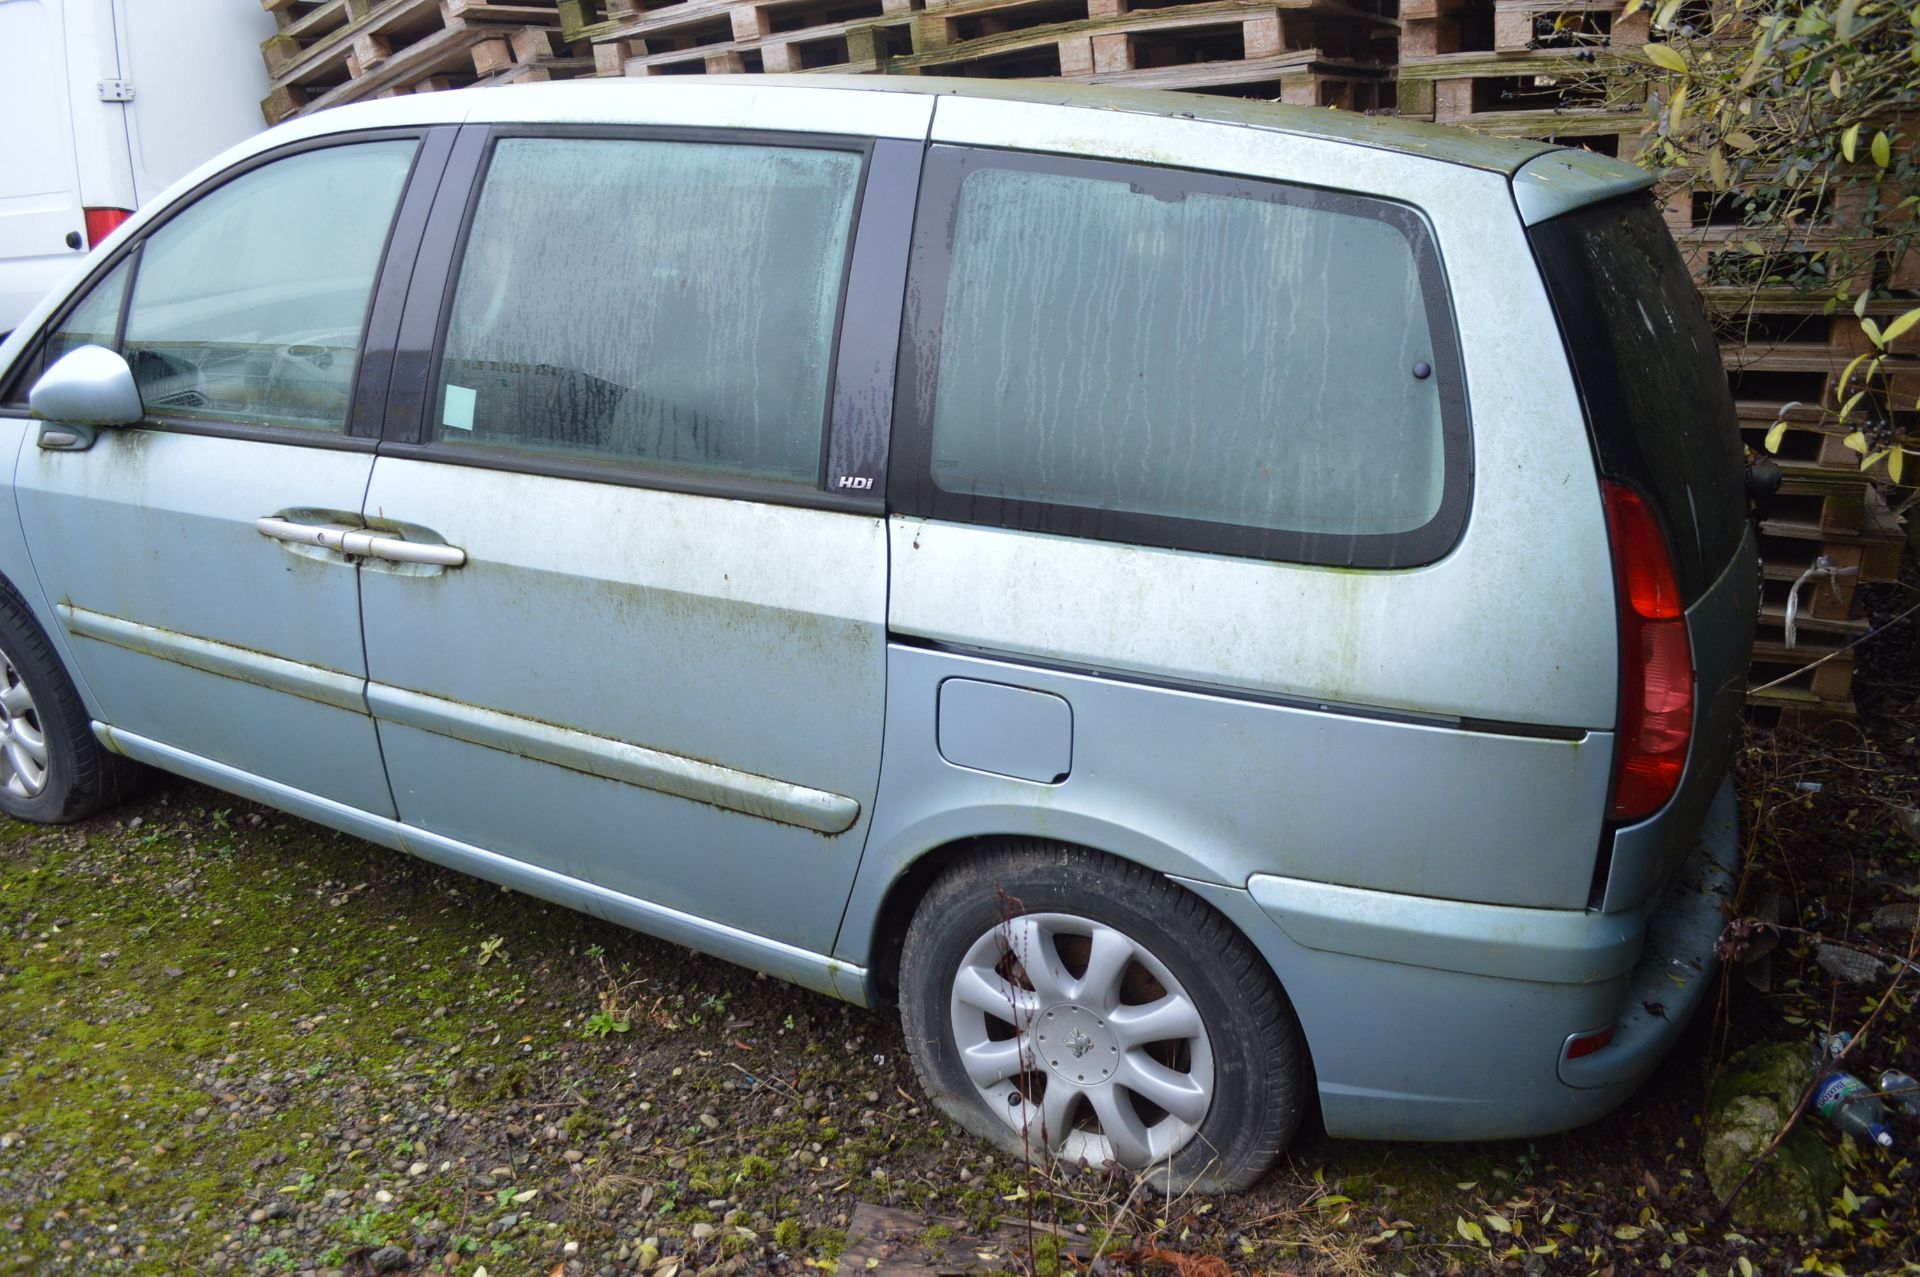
(1193, 599)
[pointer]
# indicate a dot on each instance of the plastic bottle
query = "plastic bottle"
(1902, 1090)
(1851, 1105)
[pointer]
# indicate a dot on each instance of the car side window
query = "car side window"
(1177, 358)
(249, 305)
(92, 321)
(696, 336)
(96, 320)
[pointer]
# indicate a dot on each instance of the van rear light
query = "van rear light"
(1656, 663)
(1585, 1044)
(102, 222)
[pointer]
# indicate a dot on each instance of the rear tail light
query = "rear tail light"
(102, 222)
(1656, 663)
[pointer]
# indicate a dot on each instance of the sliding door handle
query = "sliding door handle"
(359, 543)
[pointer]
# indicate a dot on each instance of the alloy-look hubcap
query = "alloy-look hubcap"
(23, 742)
(1082, 1040)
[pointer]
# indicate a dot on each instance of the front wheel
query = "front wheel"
(52, 770)
(1058, 1002)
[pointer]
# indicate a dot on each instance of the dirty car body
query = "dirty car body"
(1332, 526)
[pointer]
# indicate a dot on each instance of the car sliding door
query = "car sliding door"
(656, 673)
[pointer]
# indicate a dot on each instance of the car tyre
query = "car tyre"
(52, 770)
(1147, 1033)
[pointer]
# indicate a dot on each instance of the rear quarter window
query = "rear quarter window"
(1179, 359)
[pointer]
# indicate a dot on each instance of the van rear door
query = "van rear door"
(198, 78)
(39, 180)
(1662, 421)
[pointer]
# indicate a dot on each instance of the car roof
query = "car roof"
(606, 97)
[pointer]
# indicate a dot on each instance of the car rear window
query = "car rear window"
(1649, 373)
(1180, 359)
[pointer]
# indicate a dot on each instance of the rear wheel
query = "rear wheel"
(52, 769)
(1061, 1003)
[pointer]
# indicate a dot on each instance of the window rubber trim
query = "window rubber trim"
(912, 491)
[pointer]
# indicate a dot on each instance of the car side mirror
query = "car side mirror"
(85, 389)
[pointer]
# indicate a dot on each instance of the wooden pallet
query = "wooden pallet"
(1111, 35)
(1299, 79)
(1520, 68)
(1773, 612)
(1250, 46)
(538, 55)
(1810, 444)
(1433, 27)
(757, 35)
(1830, 681)
(345, 50)
(1731, 256)
(1796, 710)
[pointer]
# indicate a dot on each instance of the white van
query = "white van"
(106, 103)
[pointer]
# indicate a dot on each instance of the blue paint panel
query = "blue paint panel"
(156, 528)
(744, 638)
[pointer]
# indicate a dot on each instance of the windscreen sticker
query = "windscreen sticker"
(458, 413)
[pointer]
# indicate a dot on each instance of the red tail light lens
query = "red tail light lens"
(102, 222)
(1656, 663)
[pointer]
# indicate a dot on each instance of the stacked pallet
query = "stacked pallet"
(1784, 357)
(1315, 52)
(331, 51)
(1532, 68)
(1519, 68)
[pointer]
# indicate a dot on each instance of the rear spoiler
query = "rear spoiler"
(1561, 181)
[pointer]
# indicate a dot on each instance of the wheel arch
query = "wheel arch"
(885, 924)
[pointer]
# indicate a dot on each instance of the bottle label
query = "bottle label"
(1835, 1090)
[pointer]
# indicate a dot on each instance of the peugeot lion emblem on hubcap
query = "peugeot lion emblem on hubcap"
(1079, 1044)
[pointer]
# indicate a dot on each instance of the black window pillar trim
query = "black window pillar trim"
(911, 489)
(416, 343)
(868, 344)
(381, 336)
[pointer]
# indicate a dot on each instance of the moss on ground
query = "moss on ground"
(147, 979)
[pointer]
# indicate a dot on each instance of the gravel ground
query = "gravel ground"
(234, 1042)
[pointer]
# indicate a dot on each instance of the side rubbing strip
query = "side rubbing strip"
(618, 760)
(312, 682)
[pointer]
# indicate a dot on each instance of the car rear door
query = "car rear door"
(188, 555)
(657, 672)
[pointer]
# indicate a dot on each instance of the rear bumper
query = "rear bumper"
(1677, 962)
(1435, 1019)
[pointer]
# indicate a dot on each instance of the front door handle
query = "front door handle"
(301, 533)
(360, 543)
